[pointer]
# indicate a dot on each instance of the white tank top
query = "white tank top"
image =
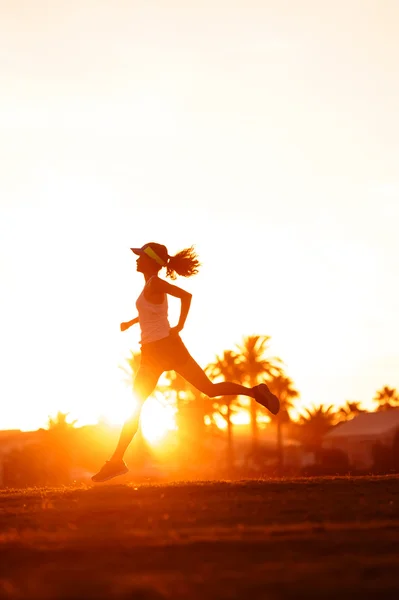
(153, 318)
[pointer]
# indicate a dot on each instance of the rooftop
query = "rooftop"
(367, 424)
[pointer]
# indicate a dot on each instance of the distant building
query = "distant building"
(358, 436)
(15, 439)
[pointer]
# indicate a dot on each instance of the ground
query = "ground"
(303, 538)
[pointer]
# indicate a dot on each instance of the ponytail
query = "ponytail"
(184, 263)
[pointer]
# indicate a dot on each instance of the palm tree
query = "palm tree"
(386, 398)
(62, 444)
(282, 387)
(131, 368)
(227, 367)
(181, 389)
(257, 368)
(313, 424)
(349, 410)
(59, 423)
(192, 407)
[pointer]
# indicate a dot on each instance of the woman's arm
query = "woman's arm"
(125, 325)
(184, 308)
(162, 286)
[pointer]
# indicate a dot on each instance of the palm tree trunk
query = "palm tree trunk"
(230, 451)
(181, 441)
(254, 427)
(280, 448)
(254, 424)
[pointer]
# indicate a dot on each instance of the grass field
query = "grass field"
(303, 538)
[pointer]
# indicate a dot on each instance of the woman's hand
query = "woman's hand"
(175, 330)
(126, 324)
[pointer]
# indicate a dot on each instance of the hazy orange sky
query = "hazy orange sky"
(266, 133)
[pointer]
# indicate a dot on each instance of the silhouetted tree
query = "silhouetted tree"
(227, 367)
(61, 436)
(386, 398)
(313, 424)
(192, 407)
(59, 423)
(257, 367)
(348, 411)
(282, 386)
(131, 367)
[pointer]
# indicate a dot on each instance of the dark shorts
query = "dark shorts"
(167, 354)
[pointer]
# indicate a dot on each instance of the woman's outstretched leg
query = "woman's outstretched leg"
(192, 372)
(144, 384)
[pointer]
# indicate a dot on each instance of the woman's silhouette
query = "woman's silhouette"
(162, 348)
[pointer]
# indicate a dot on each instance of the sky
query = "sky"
(264, 133)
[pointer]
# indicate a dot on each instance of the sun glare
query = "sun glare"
(157, 420)
(241, 418)
(220, 422)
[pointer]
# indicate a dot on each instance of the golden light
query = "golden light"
(241, 418)
(157, 420)
(220, 422)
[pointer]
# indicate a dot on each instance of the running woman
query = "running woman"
(162, 348)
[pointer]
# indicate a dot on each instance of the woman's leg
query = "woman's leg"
(192, 372)
(144, 384)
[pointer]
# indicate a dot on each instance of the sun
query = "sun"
(157, 420)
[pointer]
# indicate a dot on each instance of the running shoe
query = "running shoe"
(111, 469)
(264, 397)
